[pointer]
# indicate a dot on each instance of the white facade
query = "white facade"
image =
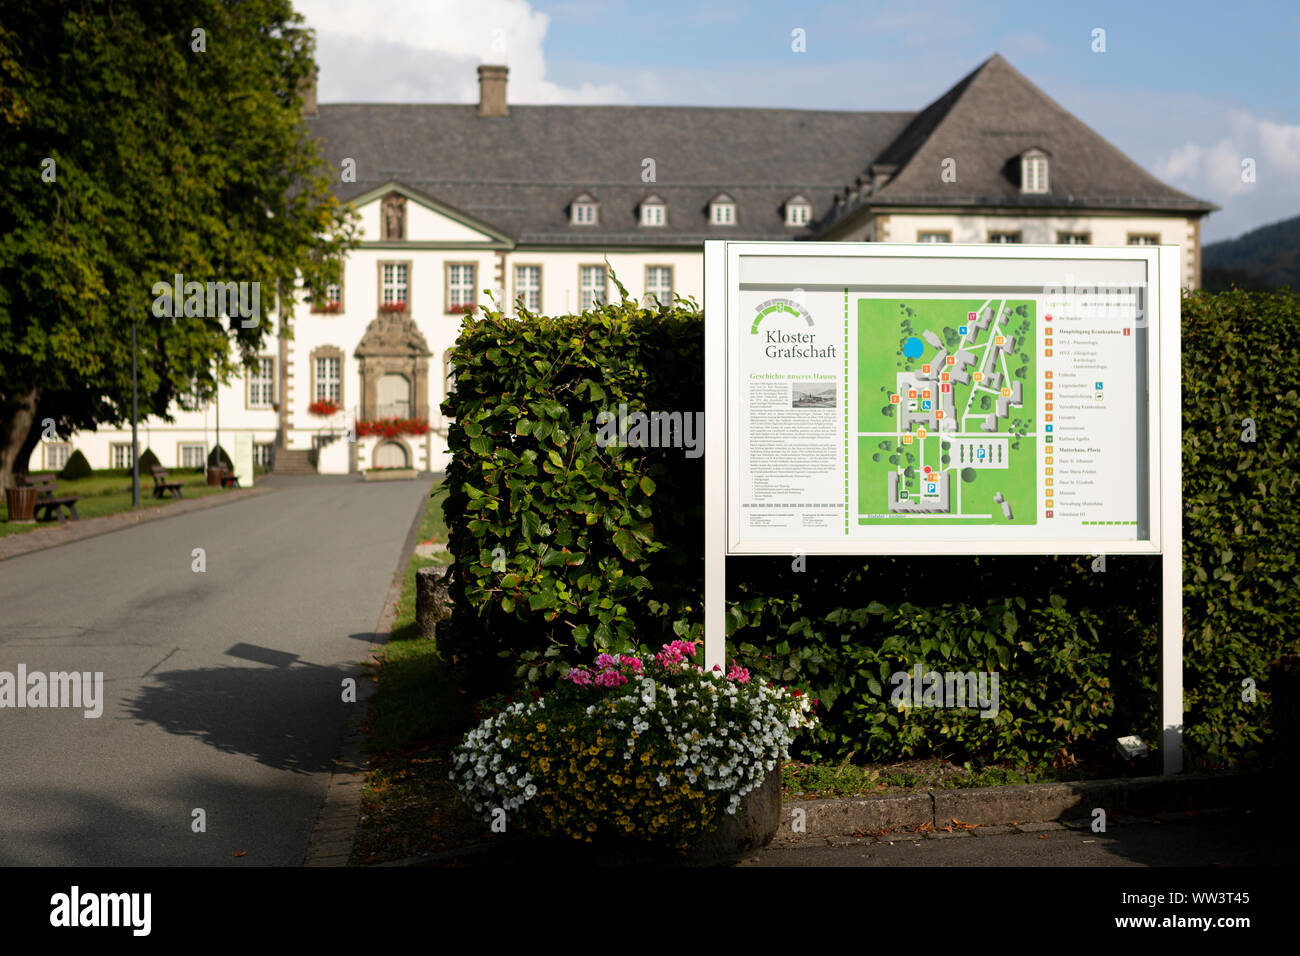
(436, 240)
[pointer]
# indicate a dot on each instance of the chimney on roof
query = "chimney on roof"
(492, 90)
(307, 90)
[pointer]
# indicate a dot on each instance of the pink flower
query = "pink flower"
(737, 673)
(580, 676)
(673, 654)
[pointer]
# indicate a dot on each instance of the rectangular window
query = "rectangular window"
(460, 287)
(262, 453)
(120, 454)
(591, 287)
(329, 379)
(723, 214)
(934, 237)
(1004, 237)
(659, 284)
(261, 383)
(394, 286)
(56, 455)
(1035, 174)
(652, 215)
(1144, 238)
(528, 287)
(193, 455)
(330, 301)
(1074, 238)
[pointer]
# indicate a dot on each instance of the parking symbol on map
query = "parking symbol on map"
(929, 487)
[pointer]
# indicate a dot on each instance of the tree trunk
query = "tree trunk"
(18, 432)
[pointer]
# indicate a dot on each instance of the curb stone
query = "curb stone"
(1028, 808)
(336, 824)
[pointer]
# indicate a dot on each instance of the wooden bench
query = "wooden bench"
(228, 479)
(161, 486)
(50, 504)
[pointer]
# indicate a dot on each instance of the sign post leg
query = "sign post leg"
(1171, 661)
(715, 456)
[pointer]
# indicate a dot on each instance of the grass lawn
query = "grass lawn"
(417, 716)
(109, 493)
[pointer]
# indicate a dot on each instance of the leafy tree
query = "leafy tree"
(134, 148)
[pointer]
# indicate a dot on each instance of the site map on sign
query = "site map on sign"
(945, 416)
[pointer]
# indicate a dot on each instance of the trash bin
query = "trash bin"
(22, 505)
(214, 476)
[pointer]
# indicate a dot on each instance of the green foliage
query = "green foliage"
(597, 558)
(77, 467)
(1241, 580)
(148, 461)
(552, 534)
(126, 157)
(217, 458)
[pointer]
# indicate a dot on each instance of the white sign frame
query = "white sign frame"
(723, 323)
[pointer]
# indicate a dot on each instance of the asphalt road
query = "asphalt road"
(222, 688)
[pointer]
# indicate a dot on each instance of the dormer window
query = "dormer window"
(1033, 171)
(722, 210)
(798, 211)
(583, 211)
(654, 212)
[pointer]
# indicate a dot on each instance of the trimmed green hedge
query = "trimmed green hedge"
(76, 467)
(601, 547)
(555, 547)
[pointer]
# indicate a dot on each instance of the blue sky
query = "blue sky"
(1188, 90)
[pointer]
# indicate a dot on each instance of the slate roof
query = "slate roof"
(984, 123)
(520, 173)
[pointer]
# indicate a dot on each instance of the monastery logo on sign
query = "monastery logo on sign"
(779, 305)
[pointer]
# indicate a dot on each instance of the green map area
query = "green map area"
(945, 420)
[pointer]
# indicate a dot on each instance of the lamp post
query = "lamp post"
(135, 434)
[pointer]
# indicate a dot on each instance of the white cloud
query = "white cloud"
(404, 51)
(1196, 143)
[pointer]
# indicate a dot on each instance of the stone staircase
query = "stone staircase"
(289, 461)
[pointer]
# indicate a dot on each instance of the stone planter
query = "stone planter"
(389, 474)
(22, 505)
(751, 828)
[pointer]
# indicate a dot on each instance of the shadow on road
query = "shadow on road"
(289, 715)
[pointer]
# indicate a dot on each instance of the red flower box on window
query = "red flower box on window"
(392, 427)
(392, 307)
(330, 307)
(323, 409)
(464, 308)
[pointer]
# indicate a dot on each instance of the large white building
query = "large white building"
(532, 201)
